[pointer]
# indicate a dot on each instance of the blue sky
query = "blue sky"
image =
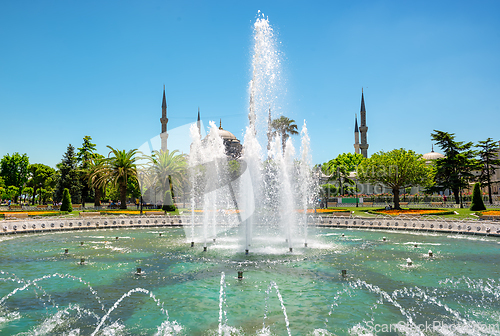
(75, 68)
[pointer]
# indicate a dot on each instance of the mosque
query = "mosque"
(232, 144)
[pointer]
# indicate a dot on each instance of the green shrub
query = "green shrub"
(168, 207)
(66, 201)
(477, 200)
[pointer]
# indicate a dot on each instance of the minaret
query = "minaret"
(164, 121)
(363, 129)
(198, 123)
(356, 135)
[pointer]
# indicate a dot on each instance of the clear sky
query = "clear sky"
(75, 68)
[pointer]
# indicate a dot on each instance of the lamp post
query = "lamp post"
(356, 186)
(141, 188)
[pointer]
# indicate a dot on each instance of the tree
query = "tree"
(14, 170)
(69, 176)
(284, 127)
(488, 159)
(166, 171)
(27, 191)
(117, 170)
(340, 169)
(41, 177)
(477, 203)
(66, 201)
(396, 169)
(85, 155)
(454, 171)
(11, 192)
(94, 178)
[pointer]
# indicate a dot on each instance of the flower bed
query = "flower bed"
(422, 212)
(491, 213)
(32, 213)
(323, 211)
(128, 212)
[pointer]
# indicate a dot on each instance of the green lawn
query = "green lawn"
(462, 213)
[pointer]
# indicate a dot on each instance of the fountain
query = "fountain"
(269, 187)
(336, 281)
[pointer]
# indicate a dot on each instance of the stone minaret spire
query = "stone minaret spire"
(356, 135)
(198, 122)
(363, 129)
(164, 121)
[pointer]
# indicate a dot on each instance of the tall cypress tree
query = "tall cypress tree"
(66, 201)
(477, 203)
(69, 176)
(85, 155)
(488, 158)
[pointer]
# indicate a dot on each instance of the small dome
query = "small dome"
(432, 155)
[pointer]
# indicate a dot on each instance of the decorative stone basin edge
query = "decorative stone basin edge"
(88, 223)
(487, 228)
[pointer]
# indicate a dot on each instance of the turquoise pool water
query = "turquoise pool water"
(186, 291)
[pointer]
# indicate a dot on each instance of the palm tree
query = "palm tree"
(117, 170)
(284, 127)
(165, 170)
(95, 177)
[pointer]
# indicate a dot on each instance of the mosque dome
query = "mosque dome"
(432, 155)
(232, 144)
(226, 135)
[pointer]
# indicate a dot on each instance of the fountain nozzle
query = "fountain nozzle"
(305, 244)
(291, 249)
(192, 244)
(214, 240)
(204, 249)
